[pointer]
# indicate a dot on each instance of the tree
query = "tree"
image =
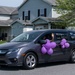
(67, 9)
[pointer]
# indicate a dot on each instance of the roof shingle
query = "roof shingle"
(5, 22)
(4, 10)
(51, 2)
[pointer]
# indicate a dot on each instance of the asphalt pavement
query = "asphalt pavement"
(59, 68)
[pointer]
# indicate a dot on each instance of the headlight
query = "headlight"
(13, 50)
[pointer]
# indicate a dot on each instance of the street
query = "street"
(60, 68)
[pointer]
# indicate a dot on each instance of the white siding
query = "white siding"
(4, 17)
(55, 14)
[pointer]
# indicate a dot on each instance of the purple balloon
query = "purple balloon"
(47, 45)
(62, 43)
(64, 40)
(63, 46)
(67, 45)
(48, 41)
(53, 45)
(50, 51)
(43, 50)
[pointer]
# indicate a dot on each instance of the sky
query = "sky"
(11, 3)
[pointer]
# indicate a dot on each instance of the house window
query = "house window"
(72, 36)
(27, 15)
(39, 27)
(42, 12)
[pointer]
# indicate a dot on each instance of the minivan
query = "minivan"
(26, 49)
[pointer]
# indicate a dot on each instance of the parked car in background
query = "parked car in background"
(25, 49)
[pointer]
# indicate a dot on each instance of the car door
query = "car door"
(60, 53)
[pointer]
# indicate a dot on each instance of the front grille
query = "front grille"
(2, 62)
(2, 55)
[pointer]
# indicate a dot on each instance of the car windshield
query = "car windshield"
(26, 37)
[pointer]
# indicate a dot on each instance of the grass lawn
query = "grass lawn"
(2, 42)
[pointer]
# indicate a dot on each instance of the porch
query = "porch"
(5, 32)
(47, 23)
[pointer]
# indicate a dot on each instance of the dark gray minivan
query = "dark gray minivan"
(25, 49)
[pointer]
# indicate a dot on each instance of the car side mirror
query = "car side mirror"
(42, 41)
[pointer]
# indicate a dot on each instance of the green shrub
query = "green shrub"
(2, 42)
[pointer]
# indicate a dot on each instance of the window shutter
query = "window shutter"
(23, 15)
(45, 12)
(38, 12)
(29, 15)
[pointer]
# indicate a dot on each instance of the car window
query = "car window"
(26, 37)
(72, 36)
(49, 36)
(60, 36)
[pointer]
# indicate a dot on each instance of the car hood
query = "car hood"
(11, 45)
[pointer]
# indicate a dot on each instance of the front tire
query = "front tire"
(30, 61)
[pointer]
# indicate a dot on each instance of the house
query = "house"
(33, 10)
(31, 14)
(7, 16)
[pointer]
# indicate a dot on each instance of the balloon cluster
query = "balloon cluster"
(64, 43)
(48, 47)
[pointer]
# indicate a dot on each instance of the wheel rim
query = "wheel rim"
(30, 61)
(73, 56)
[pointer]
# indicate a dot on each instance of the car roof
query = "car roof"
(52, 30)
